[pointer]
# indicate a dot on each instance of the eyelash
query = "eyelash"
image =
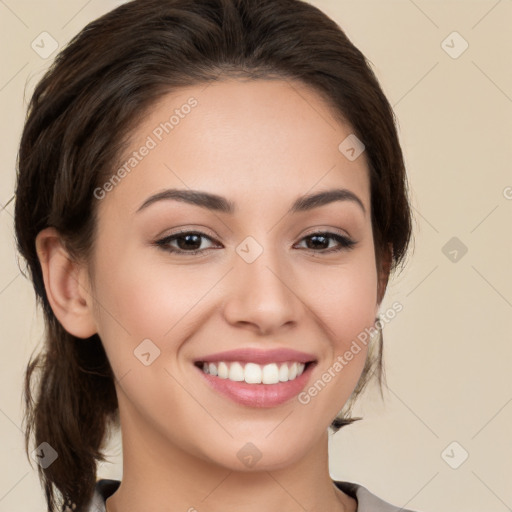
(345, 242)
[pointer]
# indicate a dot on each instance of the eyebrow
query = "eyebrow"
(221, 204)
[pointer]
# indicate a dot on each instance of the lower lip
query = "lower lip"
(259, 395)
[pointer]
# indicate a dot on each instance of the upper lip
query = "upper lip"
(277, 355)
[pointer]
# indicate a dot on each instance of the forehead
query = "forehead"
(255, 139)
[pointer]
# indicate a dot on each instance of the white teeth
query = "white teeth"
(222, 370)
(236, 372)
(283, 373)
(253, 373)
(293, 372)
(270, 374)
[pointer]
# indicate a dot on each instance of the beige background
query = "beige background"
(448, 353)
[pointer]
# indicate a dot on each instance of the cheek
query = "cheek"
(345, 297)
(345, 302)
(143, 301)
(144, 297)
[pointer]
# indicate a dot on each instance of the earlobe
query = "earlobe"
(66, 285)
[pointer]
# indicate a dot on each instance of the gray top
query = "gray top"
(366, 501)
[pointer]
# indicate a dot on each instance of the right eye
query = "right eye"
(186, 243)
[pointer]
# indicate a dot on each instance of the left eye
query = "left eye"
(189, 242)
(324, 238)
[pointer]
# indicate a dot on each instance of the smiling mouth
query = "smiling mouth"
(253, 373)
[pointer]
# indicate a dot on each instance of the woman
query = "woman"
(211, 198)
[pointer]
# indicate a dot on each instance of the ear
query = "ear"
(383, 273)
(67, 285)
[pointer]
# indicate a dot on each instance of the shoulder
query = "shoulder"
(367, 501)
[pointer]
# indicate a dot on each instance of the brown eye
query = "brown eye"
(319, 242)
(188, 242)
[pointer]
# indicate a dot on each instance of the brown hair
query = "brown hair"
(79, 119)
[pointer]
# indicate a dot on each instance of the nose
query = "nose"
(263, 296)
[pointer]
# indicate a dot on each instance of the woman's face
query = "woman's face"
(254, 277)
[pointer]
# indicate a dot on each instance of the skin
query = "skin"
(261, 144)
